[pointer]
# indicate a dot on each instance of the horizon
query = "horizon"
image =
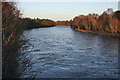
(59, 11)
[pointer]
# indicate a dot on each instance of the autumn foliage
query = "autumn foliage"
(10, 22)
(108, 22)
(11, 28)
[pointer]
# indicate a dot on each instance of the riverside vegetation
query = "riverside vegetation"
(13, 25)
(107, 23)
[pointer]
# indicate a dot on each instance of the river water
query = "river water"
(60, 52)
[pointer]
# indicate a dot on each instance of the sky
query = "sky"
(63, 0)
(63, 10)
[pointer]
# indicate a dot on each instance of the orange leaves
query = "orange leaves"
(107, 22)
(10, 39)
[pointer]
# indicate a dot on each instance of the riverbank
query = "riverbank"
(9, 60)
(37, 23)
(104, 24)
(104, 34)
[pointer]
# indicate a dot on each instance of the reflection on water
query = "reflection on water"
(60, 52)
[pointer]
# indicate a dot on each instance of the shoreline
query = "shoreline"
(113, 35)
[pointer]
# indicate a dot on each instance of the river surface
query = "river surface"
(60, 52)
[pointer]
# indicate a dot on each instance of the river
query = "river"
(60, 52)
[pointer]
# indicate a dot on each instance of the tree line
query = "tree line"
(108, 22)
